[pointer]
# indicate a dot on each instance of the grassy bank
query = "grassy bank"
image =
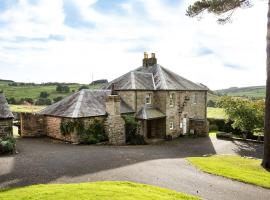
(247, 170)
(217, 113)
(25, 108)
(94, 191)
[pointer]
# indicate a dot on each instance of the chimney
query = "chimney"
(113, 92)
(149, 61)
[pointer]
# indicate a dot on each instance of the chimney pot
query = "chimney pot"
(153, 55)
(145, 55)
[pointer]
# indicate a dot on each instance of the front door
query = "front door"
(149, 129)
(185, 126)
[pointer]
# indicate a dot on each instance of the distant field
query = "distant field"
(217, 113)
(255, 91)
(25, 108)
(33, 92)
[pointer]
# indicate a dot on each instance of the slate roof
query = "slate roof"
(154, 77)
(85, 103)
(149, 112)
(5, 112)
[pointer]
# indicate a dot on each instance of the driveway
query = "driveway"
(44, 160)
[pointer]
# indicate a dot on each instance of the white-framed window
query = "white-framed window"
(195, 98)
(171, 126)
(171, 99)
(148, 98)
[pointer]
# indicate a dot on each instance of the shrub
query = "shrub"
(43, 101)
(7, 145)
(56, 99)
(132, 137)
(62, 88)
(83, 87)
(211, 103)
(43, 94)
(213, 127)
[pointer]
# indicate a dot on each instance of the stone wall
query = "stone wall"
(114, 123)
(6, 127)
(32, 125)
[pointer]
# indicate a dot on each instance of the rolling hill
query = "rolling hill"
(251, 92)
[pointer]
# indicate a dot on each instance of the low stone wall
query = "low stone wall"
(199, 126)
(32, 125)
(6, 127)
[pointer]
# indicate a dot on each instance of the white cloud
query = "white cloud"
(116, 43)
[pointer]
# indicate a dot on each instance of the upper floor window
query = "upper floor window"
(195, 98)
(148, 98)
(172, 99)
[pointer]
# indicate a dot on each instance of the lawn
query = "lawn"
(94, 191)
(247, 170)
(25, 108)
(217, 113)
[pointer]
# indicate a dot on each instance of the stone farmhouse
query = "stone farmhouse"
(165, 104)
(6, 118)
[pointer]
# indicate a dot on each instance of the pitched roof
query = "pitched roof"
(5, 112)
(149, 112)
(85, 103)
(154, 77)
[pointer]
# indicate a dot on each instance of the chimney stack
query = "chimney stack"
(149, 61)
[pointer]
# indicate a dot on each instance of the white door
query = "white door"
(184, 126)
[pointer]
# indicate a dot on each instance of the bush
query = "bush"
(83, 87)
(62, 88)
(43, 94)
(211, 103)
(7, 145)
(43, 101)
(213, 127)
(132, 137)
(56, 99)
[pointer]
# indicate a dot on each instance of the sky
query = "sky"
(85, 40)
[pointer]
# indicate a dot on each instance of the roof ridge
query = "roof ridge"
(78, 104)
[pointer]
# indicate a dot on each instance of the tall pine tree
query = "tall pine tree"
(225, 9)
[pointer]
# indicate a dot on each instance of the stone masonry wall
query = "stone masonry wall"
(32, 125)
(6, 127)
(114, 123)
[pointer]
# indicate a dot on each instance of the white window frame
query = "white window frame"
(171, 125)
(148, 98)
(195, 98)
(171, 99)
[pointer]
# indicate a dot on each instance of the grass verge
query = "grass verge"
(247, 170)
(93, 191)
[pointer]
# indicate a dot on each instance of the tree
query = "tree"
(62, 88)
(221, 7)
(246, 115)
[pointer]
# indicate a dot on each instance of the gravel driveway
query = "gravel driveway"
(43, 160)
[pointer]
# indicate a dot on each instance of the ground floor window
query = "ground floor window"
(171, 126)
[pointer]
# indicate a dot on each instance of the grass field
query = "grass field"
(247, 170)
(33, 92)
(254, 91)
(94, 191)
(217, 113)
(25, 108)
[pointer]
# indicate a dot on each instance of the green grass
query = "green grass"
(94, 191)
(217, 113)
(213, 134)
(33, 92)
(25, 108)
(254, 91)
(247, 170)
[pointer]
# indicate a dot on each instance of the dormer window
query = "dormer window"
(171, 99)
(148, 98)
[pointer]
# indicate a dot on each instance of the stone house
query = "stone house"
(165, 104)
(6, 118)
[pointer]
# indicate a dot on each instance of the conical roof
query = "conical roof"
(85, 103)
(154, 77)
(5, 112)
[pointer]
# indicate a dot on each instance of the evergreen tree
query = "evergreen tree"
(225, 9)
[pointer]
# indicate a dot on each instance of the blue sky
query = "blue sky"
(75, 40)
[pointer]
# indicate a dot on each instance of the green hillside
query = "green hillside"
(33, 91)
(251, 92)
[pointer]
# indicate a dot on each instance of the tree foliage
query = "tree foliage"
(217, 7)
(246, 115)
